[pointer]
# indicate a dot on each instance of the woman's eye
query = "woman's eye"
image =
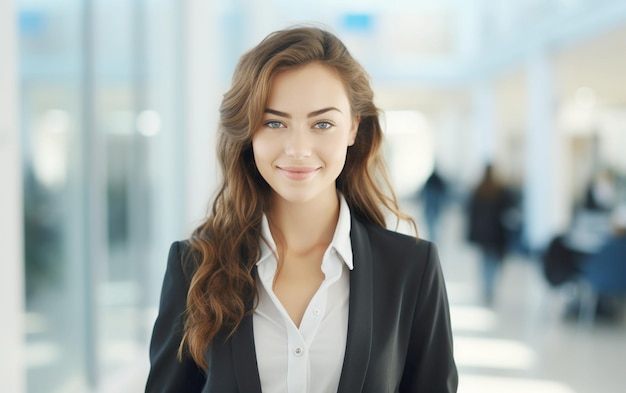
(274, 124)
(323, 125)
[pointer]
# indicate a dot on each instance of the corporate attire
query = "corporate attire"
(305, 358)
(379, 323)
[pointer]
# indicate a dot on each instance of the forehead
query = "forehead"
(309, 87)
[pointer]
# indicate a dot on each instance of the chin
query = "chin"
(295, 197)
(299, 196)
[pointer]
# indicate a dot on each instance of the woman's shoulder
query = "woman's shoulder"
(181, 249)
(399, 258)
(398, 242)
(182, 256)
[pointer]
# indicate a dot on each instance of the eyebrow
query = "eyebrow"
(312, 114)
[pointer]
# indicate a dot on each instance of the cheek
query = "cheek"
(336, 154)
(261, 149)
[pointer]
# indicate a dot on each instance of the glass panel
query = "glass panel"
(101, 156)
(136, 115)
(115, 102)
(50, 61)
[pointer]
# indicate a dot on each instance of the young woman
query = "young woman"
(293, 284)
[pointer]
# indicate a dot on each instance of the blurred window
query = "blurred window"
(100, 118)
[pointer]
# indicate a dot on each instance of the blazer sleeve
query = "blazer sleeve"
(430, 365)
(167, 373)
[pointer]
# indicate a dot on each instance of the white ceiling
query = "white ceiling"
(597, 62)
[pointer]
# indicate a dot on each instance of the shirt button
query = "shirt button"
(298, 351)
(316, 311)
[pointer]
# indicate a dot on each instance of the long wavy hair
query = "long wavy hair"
(225, 247)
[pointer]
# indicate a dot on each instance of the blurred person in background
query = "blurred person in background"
(292, 283)
(487, 208)
(433, 197)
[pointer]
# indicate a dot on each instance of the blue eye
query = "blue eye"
(323, 125)
(274, 124)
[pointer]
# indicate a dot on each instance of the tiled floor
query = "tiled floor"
(522, 344)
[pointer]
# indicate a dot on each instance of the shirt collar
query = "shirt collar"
(341, 242)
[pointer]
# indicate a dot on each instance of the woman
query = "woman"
(293, 284)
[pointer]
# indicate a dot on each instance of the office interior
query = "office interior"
(108, 112)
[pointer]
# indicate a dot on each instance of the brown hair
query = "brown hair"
(226, 245)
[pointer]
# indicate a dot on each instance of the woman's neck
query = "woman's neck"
(302, 226)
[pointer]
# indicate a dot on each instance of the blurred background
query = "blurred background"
(108, 111)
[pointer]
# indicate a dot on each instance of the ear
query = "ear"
(353, 130)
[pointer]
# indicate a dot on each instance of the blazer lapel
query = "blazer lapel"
(244, 358)
(359, 340)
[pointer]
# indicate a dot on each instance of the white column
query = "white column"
(12, 370)
(484, 123)
(203, 91)
(451, 141)
(469, 29)
(545, 207)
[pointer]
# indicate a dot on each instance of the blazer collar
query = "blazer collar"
(359, 340)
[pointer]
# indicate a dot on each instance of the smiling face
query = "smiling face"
(300, 148)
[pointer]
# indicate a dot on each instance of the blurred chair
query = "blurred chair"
(561, 262)
(603, 273)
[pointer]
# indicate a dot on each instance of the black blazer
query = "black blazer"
(399, 334)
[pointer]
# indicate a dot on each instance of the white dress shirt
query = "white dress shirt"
(308, 359)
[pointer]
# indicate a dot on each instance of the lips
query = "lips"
(298, 173)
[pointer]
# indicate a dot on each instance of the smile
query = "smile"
(298, 173)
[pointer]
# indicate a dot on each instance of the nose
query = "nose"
(298, 143)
